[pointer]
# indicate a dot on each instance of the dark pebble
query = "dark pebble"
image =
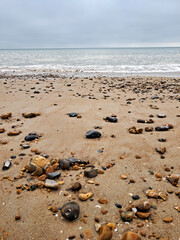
(73, 114)
(31, 137)
(162, 139)
(70, 211)
(93, 134)
(162, 128)
(91, 173)
(118, 205)
(53, 175)
(64, 164)
(111, 119)
(33, 187)
(13, 156)
(135, 197)
(22, 154)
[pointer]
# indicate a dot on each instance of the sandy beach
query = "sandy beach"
(132, 165)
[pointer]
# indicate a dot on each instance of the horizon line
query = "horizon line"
(51, 48)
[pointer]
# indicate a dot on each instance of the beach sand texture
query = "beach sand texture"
(128, 164)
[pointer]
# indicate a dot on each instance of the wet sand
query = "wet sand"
(134, 155)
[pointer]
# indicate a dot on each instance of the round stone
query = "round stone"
(70, 211)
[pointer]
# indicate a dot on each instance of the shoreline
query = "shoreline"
(115, 154)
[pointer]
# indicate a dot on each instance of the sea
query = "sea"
(92, 61)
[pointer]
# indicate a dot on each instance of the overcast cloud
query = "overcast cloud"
(89, 23)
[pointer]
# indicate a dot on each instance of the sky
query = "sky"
(89, 23)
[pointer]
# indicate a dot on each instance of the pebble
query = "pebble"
(50, 169)
(53, 175)
(6, 165)
(167, 219)
(118, 205)
(76, 186)
(70, 211)
(13, 133)
(2, 130)
(64, 164)
(6, 115)
(161, 150)
(31, 137)
(17, 217)
(148, 129)
(144, 206)
(30, 115)
(161, 115)
(93, 134)
(39, 161)
(51, 184)
(111, 119)
(162, 139)
(162, 128)
(91, 173)
(135, 197)
(135, 130)
(102, 201)
(130, 236)
(123, 176)
(97, 227)
(54, 209)
(151, 194)
(173, 179)
(127, 216)
(73, 114)
(143, 215)
(25, 146)
(105, 233)
(85, 196)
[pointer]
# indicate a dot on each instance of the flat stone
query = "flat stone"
(162, 128)
(143, 215)
(167, 219)
(53, 175)
(73, 114)
(161, 115)
(25, 146)
(93, 134)
(51, 184)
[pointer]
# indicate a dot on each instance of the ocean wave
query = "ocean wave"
(94, 69)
